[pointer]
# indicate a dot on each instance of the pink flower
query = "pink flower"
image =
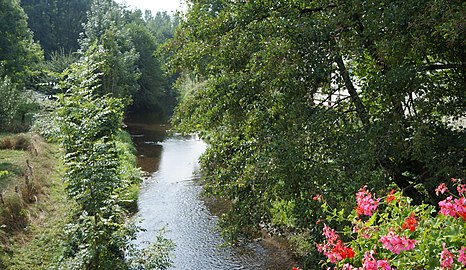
(370, 263)
(383, 264)
(317, 197)
(461, 189)
(330, 234)
(462, 256)
(460, 207)
(366, 205)
(446, 207)
(442, 188)
(333, 247)
(348, 266)
(457, 208)
(396, 244)
(446, 258)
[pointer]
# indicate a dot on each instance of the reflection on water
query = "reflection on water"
(147, 139)
(170, 199)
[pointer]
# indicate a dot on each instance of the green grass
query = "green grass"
(42, 243)
(11, 161)
(32, 217)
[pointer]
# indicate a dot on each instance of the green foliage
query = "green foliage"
(153, 94)
(161, 25)
(100, 173)
(48, 72)
(155, 256)
(56, 24)
(303, 97)
(46, 121)
(9, 104)
(15, 107)
(106, 39)
(147, 32)
(17, 49)
(89, 125)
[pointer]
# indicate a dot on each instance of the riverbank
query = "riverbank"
(34, 208)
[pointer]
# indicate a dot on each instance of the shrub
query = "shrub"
(9, 103)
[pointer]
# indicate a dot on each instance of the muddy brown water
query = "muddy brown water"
(170, 199)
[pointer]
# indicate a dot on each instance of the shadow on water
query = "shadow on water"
(170, 199)
(147, 133)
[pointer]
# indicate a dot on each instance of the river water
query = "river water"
(170, 199)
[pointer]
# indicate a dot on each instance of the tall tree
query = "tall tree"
(107, 39)
(303, 97)
(56, 24)
(18, 51)
(162, 25)
(148, 32)
(99, 169)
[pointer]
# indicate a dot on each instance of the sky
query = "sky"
(154, 5)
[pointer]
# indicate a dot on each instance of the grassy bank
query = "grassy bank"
(33, 206)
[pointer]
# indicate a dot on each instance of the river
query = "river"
(170, 199)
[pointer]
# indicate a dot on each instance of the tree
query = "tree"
(162, 25)
(56, 24)
(147, 34)
(106, 33)
(17, 49)
(297, 98)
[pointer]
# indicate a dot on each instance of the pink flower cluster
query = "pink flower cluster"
(395, 243)
(447, 258)
(369, 263)
(333, 247)
(455, 208)
(462, 256)
(442, 188)
(366, 205)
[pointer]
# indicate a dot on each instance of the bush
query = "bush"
(9, 103)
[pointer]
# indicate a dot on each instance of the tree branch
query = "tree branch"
(361, 111)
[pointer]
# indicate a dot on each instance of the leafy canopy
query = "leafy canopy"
(303, 97)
